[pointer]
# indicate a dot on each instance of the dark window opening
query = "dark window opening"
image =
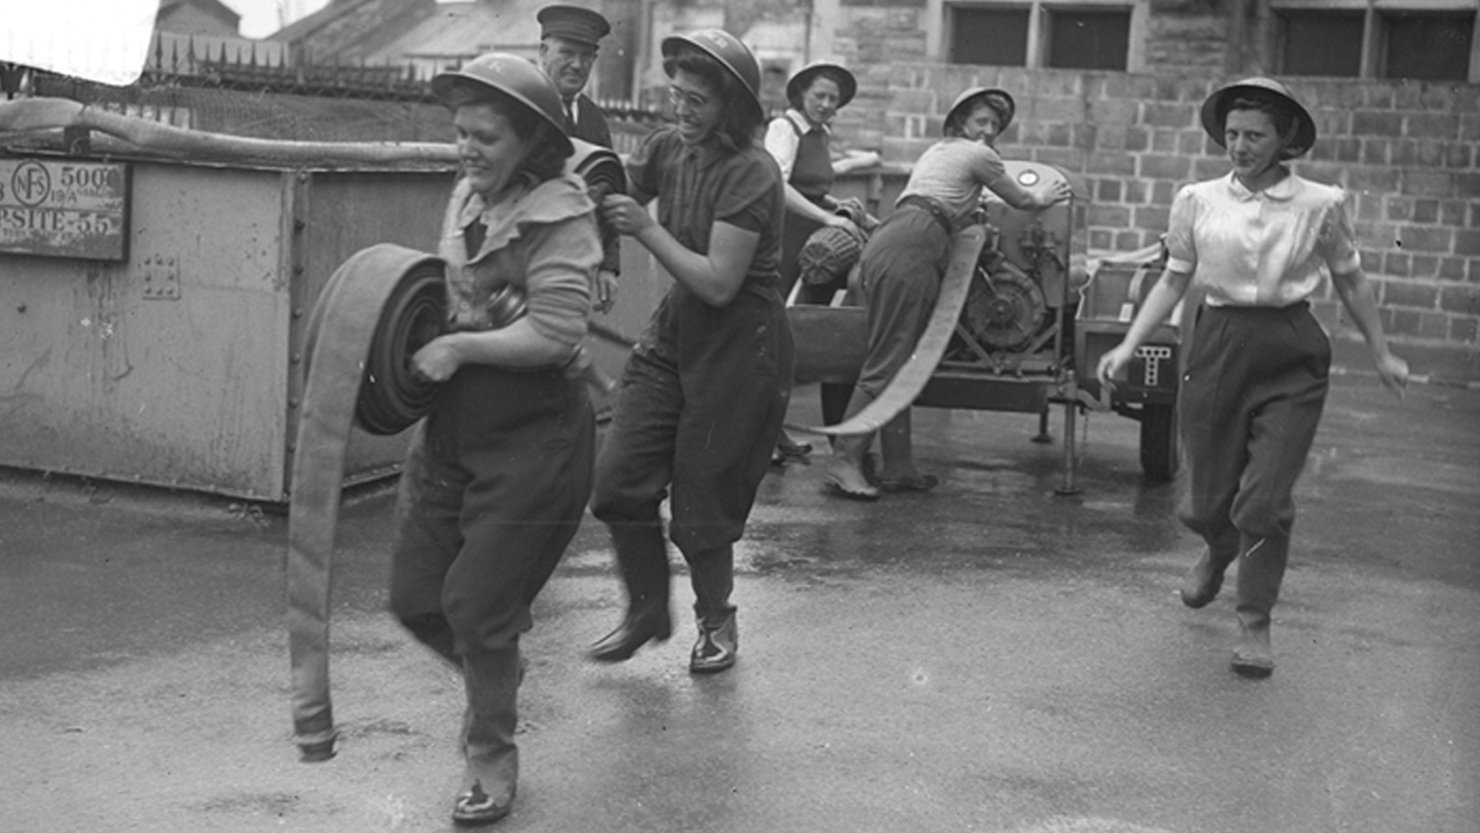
(1089, 39)
(989, 36)
(1427, 46)
(1322, 43)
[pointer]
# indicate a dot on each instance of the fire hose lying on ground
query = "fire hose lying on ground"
(381, 305)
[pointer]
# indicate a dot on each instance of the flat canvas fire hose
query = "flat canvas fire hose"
(381, 305)
(38, 114)
(966, 247)
(385, 289)
(374, 313)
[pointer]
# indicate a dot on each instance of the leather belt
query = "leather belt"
(936, 208)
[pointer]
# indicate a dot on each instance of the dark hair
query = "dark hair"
(993, 101)
(546, 159)
(741, 118)
(826, 72)
(1279, 113)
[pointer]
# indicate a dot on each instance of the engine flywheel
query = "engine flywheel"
(1005, 311)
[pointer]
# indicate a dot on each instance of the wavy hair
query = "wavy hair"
(993, 101)
(742, 119)
(546, 158)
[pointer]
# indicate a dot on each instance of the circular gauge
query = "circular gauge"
(1028, 177)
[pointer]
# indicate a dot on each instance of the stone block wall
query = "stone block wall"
(1408, 154)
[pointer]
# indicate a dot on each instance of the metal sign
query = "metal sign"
(64, 208)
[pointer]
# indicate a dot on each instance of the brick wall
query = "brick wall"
(1408, 154)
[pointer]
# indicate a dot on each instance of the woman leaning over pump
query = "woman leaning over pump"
(801, 141)
(1256, 375)
(902, 266)
(499, 473)
(705, 389)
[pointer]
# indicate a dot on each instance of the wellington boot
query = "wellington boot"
(716, 647)
(491, 771)
(1204, 580)
(642, 560)
(1252, 655)
(1261, 570)
(712, 574)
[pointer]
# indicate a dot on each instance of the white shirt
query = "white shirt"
(1260, 249)
(782, 141)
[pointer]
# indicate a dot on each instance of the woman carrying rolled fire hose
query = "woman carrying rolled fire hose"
(901, 269)
(499, 473)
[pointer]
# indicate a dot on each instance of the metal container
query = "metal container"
(180, 363)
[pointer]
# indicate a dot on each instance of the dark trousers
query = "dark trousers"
(493, 490)
(1251, 400)
(901, 269)
(698, 413)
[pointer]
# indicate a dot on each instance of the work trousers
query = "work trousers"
(901, 269)
(1251, 400)
(493, 490)
(699, 409)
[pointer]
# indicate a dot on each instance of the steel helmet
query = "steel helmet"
(516, 78)
(967, 97)
(730, 52)
(798, 82)
(1215, 110)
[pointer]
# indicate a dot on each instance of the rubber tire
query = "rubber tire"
(1160, 453)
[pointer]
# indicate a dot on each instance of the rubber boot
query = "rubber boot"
(1261, 569)
(844, 475)
(712, 574)
(642, 559)
(491, 773)
(1205, 579)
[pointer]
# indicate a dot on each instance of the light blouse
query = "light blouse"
(782, 141)
(1261, 248)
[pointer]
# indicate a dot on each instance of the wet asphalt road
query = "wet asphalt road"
(987, 657)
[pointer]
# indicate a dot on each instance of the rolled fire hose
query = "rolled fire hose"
(377, 309)
(382, 304)
(382, 292)
(900, 393)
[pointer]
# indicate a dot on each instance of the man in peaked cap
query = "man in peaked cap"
(570, 37)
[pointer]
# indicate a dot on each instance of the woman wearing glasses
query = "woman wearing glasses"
(704, 393)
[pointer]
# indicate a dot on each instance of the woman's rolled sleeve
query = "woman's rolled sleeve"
(562, 256)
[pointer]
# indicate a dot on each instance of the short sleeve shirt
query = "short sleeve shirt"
(954, 171)
(704, 184)
(1262, 248)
